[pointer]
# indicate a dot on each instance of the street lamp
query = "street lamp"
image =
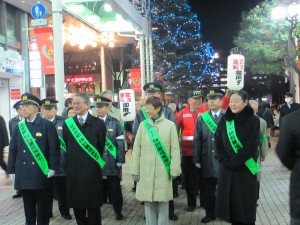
(291, 13)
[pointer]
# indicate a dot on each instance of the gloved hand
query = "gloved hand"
(119, 164)
(198, 165)
(228, 93)
(12, 176)
(51, 173)
(136, 178)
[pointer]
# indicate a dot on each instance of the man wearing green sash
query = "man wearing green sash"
(114, 156)
(33, 159)
(84, 136)
(49, 111)
(204, 155)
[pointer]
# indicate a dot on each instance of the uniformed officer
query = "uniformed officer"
(114, 154)
(49, 112)
(33, 159)
(13, 122)
(204, 155)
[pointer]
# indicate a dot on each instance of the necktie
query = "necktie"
(80, 120)
(215, 117)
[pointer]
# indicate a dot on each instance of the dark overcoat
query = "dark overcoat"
(285, 110)
(237, 187)
(115, 135)
(12, 123)
(3, 134)
(83, 173)
(204, 147)
(21, 162)
(58, 123)
(288, 150)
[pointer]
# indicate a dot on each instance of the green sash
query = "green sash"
(62, 144)
(157, 144)
(263, 138)
(33, 147)
(111, 147)
(210, 123)
(236, 145)
(83, 142)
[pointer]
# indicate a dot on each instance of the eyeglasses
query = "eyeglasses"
(77, 103)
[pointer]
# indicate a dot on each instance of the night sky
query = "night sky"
(220, 21)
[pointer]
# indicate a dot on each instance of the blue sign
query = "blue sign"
(38, 11)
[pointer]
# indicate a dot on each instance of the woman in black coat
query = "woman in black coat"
(236, 189)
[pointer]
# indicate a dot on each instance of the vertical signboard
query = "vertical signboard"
(235, 71)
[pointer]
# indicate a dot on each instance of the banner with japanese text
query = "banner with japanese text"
(135, 80)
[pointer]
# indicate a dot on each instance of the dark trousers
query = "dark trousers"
(209, 186)
(239, 223)
(36, 206)
(60, 183)
(2, 162)
(89, 216)
(114, 191)
(192, 182)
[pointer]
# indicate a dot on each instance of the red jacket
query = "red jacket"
(186, 123)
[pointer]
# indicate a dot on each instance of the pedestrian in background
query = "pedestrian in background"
(155, 161)
(237, 141)
(68, 105)
(265, 113)
(3, 142)
(33, 159)
(84, 136)
(204, 155)
(288, 107)
(288, 151)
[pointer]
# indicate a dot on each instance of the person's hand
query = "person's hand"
(51, 173)
(119, 164)
(12, 176)
(228, 93)
(198, 165)
(136, 178)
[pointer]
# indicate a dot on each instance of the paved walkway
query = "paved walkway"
(273, 206)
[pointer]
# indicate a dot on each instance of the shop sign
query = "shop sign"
(15, 94)
(127, 104)
(10, 62)
(235, 71)
(135, 80)
(80, 79)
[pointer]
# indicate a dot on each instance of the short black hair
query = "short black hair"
(155, 101)
(243, 94)
(68, 101)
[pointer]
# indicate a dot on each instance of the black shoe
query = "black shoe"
(173, 217)
(67, 216)
(190, 209)
(133, 189)
(119, 216)
(17, 196)
(269, 145)
(207, 219)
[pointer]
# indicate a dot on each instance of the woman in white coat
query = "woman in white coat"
(155, 161)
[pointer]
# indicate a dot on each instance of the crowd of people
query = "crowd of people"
(214, 149)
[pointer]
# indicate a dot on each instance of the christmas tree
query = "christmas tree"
(181, 60)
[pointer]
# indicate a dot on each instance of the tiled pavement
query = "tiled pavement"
(273, 204)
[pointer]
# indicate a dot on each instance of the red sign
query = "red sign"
(135, 80)
(15, 94)
(44, 40)
(80, 79)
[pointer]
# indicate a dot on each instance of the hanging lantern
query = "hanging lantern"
(127, 104)
(235, 71)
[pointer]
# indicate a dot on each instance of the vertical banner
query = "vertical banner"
(235, 71)
(44, 40)
(135, 80)
(127, 104)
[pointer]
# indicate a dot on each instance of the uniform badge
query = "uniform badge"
(38, 134)
(110, 129)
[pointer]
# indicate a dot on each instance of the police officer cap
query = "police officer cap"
(29, 99)
(195, 94)
(214, 92)
(17, 105)
(152, 87)
(101, 101)
(49, 103)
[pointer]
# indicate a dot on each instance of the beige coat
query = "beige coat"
(154, 183)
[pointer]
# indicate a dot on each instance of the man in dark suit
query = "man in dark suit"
(289, 106)
(3, 142)
(288, 150)
(33, 159)
(84, 136)
(13, 122)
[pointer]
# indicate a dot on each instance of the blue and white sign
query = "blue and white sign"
(38, 11)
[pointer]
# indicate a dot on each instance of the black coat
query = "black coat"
(12, 123)
(21, 162)
(266, 114)
(3, 134)
(83, 173)
(288, 150)
(285, 110)
(237, 187)
(115, 135)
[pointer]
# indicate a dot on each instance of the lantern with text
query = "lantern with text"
(235, 71)
(127, 104)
